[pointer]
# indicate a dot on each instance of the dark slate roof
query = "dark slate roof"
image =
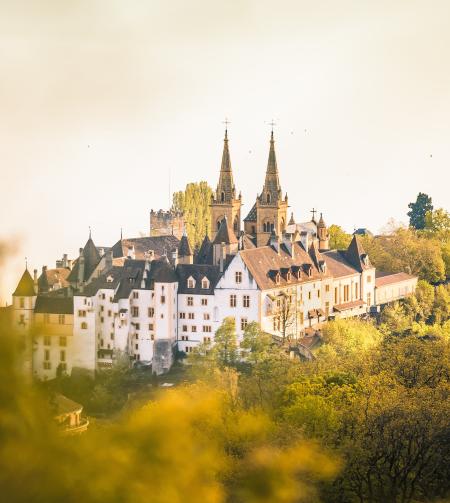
(91, 260)
(160, 245)
(43, 284)
(251, 217)
(355, 255)
(362, 231)
(184, 248)
(54, 304)
(25, 288)
(225, 233)
(198, 272)
(205, 254)
(123, 279)
(337, 264)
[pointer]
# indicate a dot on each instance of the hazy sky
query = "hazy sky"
(100, 99)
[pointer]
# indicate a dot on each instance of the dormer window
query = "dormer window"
(288, 276)
(205, 283)
(109, 279)
(309, 270)
(365, 259)
(277, 278)
(323, 266)
(191, 282)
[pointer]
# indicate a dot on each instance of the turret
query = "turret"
(323, 235)
(185, 254)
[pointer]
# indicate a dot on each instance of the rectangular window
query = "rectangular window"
(22, 302)
(136, 336)
(163, 299)
(309, 295)
(193, 328)
(47, 354)
(369, 300)
(246, 301)
(346, 293)
(47, 365)
(112, 336)
(109, 312)
(137, 326)
(136, 346)
(150, 326)
(135, 295)
(206, 316)
(47, 340)
(62, 355)
(336, 295)
(103, 296)
(152, 337)
(182, 316)
(190, 301)
(102, 308)
(238, 276)
(207, 340)
(204, 302)
(356, 291)
(327, 288)
(369, 279)
(151, 312)
(102, 319)
(244, 323)
(82, 314)
(327, 309)
(207, 328)
(185, 328)
(318, 294)
(301, 318)
(135, 311)
(63, 341)
(232, 300)
(191, 316)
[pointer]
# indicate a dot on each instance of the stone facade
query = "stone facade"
(166, 223)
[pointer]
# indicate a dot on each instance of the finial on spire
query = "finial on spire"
(226, 122)
(313, 211)
(90, 233)
(26, 263)
(121, 234)
(271, 124)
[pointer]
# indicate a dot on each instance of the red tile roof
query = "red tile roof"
(383, 279)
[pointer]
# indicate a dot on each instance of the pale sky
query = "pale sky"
(99, 99)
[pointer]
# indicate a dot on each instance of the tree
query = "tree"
(285, 314)
(194, 203)
(419, 210)
(256, 343)
(339, 239)
(225, 343)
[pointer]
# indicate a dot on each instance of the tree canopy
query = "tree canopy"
(418, 211)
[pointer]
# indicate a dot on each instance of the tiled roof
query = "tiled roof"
(382, 278)
(62, 405)
(25, 288)
(225, 233)
(197, 272)
(348, 305)
(337, 264)
(262, 262)
(50, 277)
(160, 245)
(251, 217)
(247, 242)
(355, 255)
(91, 260)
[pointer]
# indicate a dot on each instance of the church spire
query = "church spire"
(226, 191)
(271, 193)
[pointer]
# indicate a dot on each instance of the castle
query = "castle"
(147, 298)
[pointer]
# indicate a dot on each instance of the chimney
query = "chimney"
(305, 239)
(175, 257)
(222, 256)
(275, 242)
(64, 260)
(35, 276)
(108, 260)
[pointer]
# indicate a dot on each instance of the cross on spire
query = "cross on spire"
(271, 124)
(313, 211)
(226, 122)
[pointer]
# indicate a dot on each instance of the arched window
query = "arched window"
(84, 325)
(222, 197)
(236, 224)
(218, 224)
(268, 198)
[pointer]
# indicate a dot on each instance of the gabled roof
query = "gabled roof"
(184, 248)
(25, 287)
(337, 264)
(355, 255)
(225, 233)
(205, 254)
(198, 272)
(247, 242)
(384, 278)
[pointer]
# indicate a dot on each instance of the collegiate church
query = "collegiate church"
(153, 298)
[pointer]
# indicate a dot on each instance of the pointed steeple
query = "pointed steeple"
(271, 193)
(292, 221)
(356, 255)
(226, 191)
(25, 287)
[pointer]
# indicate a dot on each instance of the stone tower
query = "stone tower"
(224, 202)
(323, 235)
(271, 207)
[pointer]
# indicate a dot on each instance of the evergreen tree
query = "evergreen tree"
(418, 211)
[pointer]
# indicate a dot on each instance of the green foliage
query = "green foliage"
(194, 202)
(339, 239)
(225, 343)
(408, 251)
(256, 344)
(419, 210)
